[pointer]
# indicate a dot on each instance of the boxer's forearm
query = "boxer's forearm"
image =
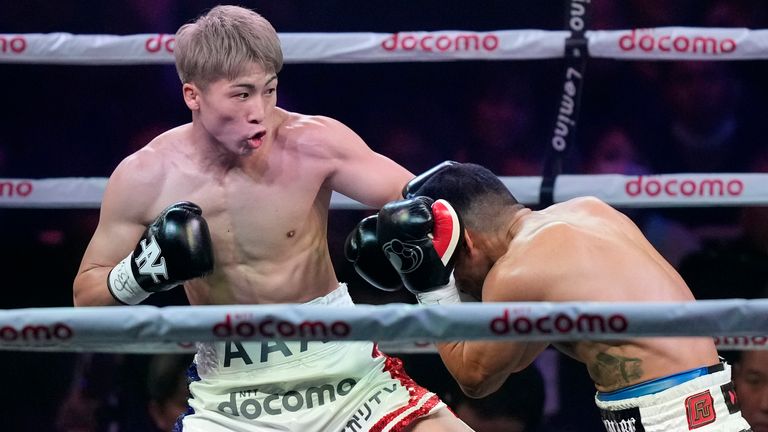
(90, 288)
(481, 367)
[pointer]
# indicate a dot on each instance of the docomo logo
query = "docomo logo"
(273, 328)
(33, 333)
(741, 341)
(13, 44)
(10, 188)
(689, 187)
(160, 42)
(697, 44)
(443, 43)
(560, 323)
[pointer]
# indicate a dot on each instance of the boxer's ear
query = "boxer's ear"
(468, 245)
(191, 94)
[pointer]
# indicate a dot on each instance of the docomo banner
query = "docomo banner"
(673, 190)
(78, 192)
(679, 43)
(421, 46)
(66, 48)
(72, 327)
(667, 190)
(666, 43)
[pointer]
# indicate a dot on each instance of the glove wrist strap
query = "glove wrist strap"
(447, 294)
(122, 283)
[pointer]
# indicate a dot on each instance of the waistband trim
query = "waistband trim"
(659, 384)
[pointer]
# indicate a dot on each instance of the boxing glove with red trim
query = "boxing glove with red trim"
(174, 248)
(421, 238)
(363, 250)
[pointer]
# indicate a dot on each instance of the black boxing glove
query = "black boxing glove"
(421, 238)
(362, 248)
(411, 189)
(174, 248)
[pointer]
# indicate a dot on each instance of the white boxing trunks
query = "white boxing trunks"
(701, 399)
(302, 386)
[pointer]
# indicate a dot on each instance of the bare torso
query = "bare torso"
(600, 256)
(267, 218)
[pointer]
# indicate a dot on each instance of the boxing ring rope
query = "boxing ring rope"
(663, 43)
(735, 322)
(665, 190)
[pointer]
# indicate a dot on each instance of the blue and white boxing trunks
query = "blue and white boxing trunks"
(701, 400)
(302, 386)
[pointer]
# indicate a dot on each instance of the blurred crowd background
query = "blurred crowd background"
(638, 117)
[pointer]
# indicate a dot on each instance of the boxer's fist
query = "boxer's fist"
(174, 248)
(363, 250)
(421, 238)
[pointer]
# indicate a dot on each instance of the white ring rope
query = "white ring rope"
(664, 43)
(148, 328)
(665, 190)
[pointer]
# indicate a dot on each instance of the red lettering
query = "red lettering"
(262, 328)
(648, 42)
(285, 329)
(409, 43)
(687, 187)
(424, 45)
(494, 42)
(62, 331)
(156, 43)
(8, 333)
(656, 187)
(245, 329)
(11, 188)
(36, 332)
(685, 44)
(390, 43)
(446, 43)
(270, 328)
(443, 43)
(627, 39)
(540, 325)
(637, 183)
(17, 44)
(499, 325)
(522, 325)
(739, 187)
(662, 45)
(223, 329)
(563, 324)
(340, 328)
(728, 45)
(618, 323)
(668, 188)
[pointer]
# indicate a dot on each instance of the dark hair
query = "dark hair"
(477, 194)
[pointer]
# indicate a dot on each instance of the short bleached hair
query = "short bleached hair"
(225, 42)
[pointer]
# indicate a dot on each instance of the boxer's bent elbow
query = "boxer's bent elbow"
(477, 383)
